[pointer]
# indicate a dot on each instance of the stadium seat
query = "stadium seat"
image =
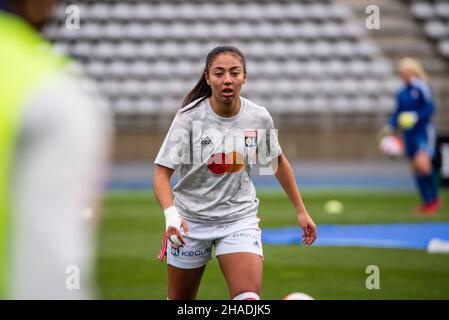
(103, 50)
(442, 9)
(444, 48)
(143, 12)
(436, 29)
(125, 50)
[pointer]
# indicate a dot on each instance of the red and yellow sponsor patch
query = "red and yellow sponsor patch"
(220, 163)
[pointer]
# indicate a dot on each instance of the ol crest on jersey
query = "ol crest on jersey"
(250, 138)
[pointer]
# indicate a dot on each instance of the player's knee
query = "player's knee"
(247, 296)
(423, 170)
(422, 165)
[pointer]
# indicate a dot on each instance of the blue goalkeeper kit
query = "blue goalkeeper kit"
(417, 97)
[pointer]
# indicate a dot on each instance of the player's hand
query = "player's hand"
(385, 131)
(173, 224)
(308, 228)
(175, 235)
(391, 146)
(407, 119)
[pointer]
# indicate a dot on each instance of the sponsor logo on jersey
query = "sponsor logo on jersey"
(206, 141)
(195, 253)
(245, 235)
(174, 251)
(221, 163)
(189, 253)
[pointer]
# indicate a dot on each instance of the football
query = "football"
(333, 207)
(407, 120)
(298, 296)
(391, 146)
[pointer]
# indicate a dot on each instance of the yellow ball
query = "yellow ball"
(407, 120)
(333, 207)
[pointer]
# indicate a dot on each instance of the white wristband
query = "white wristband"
(172, 218)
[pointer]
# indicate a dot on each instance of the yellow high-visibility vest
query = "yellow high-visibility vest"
(26, 63)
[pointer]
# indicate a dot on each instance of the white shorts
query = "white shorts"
(239, 236)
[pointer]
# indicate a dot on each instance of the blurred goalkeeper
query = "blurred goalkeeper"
(54, 135)
(413, 116)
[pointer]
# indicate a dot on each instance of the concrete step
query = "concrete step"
(433, 65)
(437, 67)
(386, 7)
(440, 82)
(393, 27)
(405, 46)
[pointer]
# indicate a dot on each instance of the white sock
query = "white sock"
(247, 296)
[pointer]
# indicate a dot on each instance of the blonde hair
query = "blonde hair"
(414, 66)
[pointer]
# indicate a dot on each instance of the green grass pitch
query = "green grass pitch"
(132, 225)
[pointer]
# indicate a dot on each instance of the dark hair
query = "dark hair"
(4, 5)
(202, 89)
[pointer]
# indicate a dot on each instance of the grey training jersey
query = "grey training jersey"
(214, 157)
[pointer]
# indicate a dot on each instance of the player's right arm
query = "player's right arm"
(391, 127)
(393, 123)
(161, 184)
(163, 193)
(170, 156)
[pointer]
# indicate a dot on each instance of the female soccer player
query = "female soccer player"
(213, 141)
(413, 115)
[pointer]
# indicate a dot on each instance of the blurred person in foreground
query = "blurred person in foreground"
(54, 141)
(415, 107)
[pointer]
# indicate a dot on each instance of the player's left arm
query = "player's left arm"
(393, 122)
(285, 175)
(428, 104)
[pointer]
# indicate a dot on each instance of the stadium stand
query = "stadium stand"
(312, 63)
(302, 56)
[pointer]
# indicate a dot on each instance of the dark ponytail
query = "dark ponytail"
(202, 89)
